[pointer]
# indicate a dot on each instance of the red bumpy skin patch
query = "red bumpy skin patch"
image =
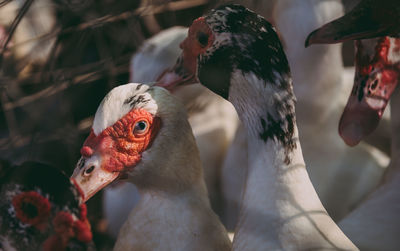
(119, 145)
(376, 78)
(32, 208)
(199, 39)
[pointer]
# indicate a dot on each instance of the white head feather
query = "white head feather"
(119, 101)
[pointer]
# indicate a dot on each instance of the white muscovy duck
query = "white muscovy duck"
(213, 121)
(40, 210)
(375, 224)
(141, 133)
(238, 55)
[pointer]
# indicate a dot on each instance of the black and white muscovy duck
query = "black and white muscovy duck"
(141, 133)
(375, 224)
(40, 210)
(237, 54)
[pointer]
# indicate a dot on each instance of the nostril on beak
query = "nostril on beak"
(88, 171)
(86, 151)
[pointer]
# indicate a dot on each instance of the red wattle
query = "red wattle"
(86, 151)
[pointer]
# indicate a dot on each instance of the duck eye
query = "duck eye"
(140, 127)
(202, 38)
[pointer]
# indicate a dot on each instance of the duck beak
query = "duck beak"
(90, 177)
(359, 23)
(177, 76)
(366, 105)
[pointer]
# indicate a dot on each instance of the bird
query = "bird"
(375, 224)
(140, 133)
(213, 121)
(41, 210)
(377, 63)
(238, 55)
(374, 27)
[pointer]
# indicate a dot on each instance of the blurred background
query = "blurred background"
(58, 59)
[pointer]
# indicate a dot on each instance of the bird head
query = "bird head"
(124, 132)
(377, 75)
(228, 40)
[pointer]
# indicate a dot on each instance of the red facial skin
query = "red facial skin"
(32, 201)
(118, 145)
(66, 228)
(376, 78)
(185, 70)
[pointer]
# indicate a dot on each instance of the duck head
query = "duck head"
(230, 39)
(128, 139)
(375, 27)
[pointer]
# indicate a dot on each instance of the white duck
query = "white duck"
(341, 176)
(213, 121)
(141, 133)
(375, 224)
(237, 54)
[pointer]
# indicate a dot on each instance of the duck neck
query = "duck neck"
(280, 208)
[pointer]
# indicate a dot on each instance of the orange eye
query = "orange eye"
(140, 127)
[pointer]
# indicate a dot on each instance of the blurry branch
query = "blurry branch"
(9, 115)
(79, 75)
(21, 140)
(2, 3)
(14, 25)
(101, 21)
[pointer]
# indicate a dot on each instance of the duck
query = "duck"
(375, 85)
(366, 101)
(318, 75)
(374, 224)
(41, 210)
(213, 121)
(141, 134)
(237, 54)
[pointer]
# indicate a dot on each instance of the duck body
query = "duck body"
(142, 134)
(375, 224)
(237, 54)
(376, 80)
(321, 85)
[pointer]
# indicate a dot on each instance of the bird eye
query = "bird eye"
(140, 127)
(202, 38)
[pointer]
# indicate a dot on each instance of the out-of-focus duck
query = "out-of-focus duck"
(374, 224)
(40, 210)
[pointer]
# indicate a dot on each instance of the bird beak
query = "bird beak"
(357, 24)
(90, 177)
(365, 107)
(183, 73)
